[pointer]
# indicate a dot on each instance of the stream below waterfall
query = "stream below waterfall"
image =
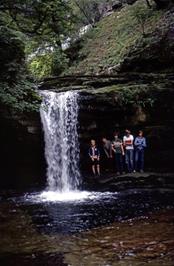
(134, 227)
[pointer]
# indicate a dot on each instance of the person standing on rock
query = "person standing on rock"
(117, 147)
(128, 140)
(140, 145)
(107, 149)
(94, 155)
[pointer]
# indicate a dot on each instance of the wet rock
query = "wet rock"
(133, 181)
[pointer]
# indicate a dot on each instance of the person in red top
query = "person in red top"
(128, 140)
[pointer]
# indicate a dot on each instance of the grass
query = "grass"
(107, 45)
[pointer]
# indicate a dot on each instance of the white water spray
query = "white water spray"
(59, 115)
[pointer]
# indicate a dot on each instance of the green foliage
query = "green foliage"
(59, 62)
(47, 64)
(142, 15)
(46, 18)
(40, 66)
(42, 25)
(11, 54)
(21, 98)
(17, 93)
(110, 41)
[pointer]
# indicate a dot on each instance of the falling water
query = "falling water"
(59, 115)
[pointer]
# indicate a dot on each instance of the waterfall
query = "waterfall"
(59, 116)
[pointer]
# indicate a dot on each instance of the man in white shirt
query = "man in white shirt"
(128, 140)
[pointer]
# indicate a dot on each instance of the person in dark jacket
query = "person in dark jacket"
(94, 155)
(140, 145)
(117, 147)
(107, 154)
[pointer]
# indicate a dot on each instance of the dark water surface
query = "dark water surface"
(43, 232)
(101, 209)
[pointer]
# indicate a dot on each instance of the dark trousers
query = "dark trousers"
(119, 162)
(107, 163)
(129, 160)
(139, 159)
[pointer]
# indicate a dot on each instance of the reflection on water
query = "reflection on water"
(52, 196)
(125, 228)
(91, 209)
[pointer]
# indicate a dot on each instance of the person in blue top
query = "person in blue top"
(140, 145)
(94, 155)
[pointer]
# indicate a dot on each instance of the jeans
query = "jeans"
(119, 162)
(139, 159)
(129, 159)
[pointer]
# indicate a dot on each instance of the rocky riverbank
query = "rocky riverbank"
(113, 182)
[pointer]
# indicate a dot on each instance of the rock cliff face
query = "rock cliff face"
(131, 100)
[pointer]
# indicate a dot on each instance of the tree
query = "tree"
(42, 25)
(17, 92)
(90, 10)
(43, 19)
(148, 3)
(141, 16)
